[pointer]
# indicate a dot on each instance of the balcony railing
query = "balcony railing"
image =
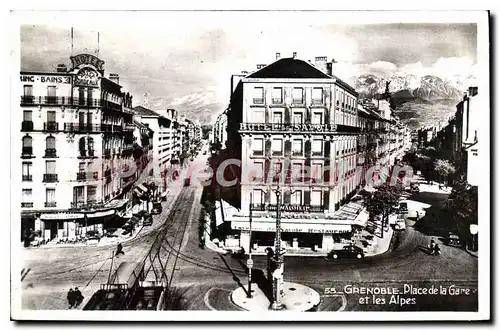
(49, 178)
(26, 204)
(81, 175)
(59, 101)
(50, 152)
(91, 203)
(258, 101)
(27, 151)
(27, 178)
(80, 127)
(51, 126)
(297, 101)
(87, 153)
(107, 153)
(27, 126)
(51, 204)
(317, 101)
(111, 105)
(286, 127)
(277, 101)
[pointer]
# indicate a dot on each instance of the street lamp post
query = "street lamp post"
(250, 261)
(278, 256)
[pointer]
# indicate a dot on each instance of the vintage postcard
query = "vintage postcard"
(306, 166)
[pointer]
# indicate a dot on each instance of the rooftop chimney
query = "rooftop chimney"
(62, 68)
(114, 78)
(472, 91)
(278, 55)
(320, 63)
(329, 68)
(294, 55)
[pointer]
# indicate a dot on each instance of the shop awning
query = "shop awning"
(61, 216)
(101, 213)
(116, 203)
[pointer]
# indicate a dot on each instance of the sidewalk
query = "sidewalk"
(372, 243)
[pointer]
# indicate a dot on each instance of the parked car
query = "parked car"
(157, 208)
(400, 224)
(453, 239)
(403, 207)
(148, 220)
(350, 251)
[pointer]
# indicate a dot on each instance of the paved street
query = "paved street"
(202, 273)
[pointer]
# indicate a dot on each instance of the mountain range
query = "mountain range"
(417, 101)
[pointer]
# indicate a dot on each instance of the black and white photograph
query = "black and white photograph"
(250, 165)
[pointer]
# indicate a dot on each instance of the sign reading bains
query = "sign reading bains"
(88, 69)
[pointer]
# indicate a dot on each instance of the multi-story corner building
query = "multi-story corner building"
(72, 129)
(284, 119)
(163, 140)
(220, 130)
(465, 143)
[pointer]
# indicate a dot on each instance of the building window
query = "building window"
(297, 148)
(259, 116)
(317, 118)
(27, 198)
(317, 147)
(317, 172)
(278, 168)
(277, 96)
(317, 95)
(257, 172)
(28, 90)
(257, 197)
(51, 94)
(258, 146)
(296, 198)
(298, 172)
(50, 197)
(91, 194)
(297, 118)
(258, 95)
(278, 118)
(27, 145)
(27, 175)
(27, 116)
(316, 198)
(298, 95)
(277, 146)
(78, 195)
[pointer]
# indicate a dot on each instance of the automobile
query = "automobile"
(157, 208)
(187, 181)
(453, 239)
(148, 220)
(349, 251)
(403, 207)
(400, 224)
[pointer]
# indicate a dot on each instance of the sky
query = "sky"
(184, 60)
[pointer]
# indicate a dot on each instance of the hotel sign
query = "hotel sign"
(88, 69)
(288, 127)
(289, 208)
(81, 60)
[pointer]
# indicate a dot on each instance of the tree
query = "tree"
(443, 168)
(463, 204)
(383, 202)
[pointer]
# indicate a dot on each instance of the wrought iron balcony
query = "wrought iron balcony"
(81, 175)
(51, 126)
(27, 178)
(91, 203)
(26, 204)
(51, 204)
(27, 151)
(81, 127)
(27, 126)
(49, 178)
(50, 152)
(111, 105)
(258, 101)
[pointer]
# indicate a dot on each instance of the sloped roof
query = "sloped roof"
(289, 68)
(140, 110)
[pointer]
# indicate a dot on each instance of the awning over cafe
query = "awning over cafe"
(101, 213)
(292, 227)
(61, 216)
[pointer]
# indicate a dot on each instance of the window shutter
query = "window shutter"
(268, 147)
(308, 116)
(327, 116)
(326, 199)
(267, 115)
(287, 115)
(307, 148)
(307, 197)
(267, 197)
(266, 170)
(327, 149)
(288, 148)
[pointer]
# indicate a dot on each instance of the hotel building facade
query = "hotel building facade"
(76, 132)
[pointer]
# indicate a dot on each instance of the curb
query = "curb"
(471, 253)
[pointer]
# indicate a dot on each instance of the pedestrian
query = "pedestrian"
(119, 249)
(78, 297)
(417, 215)
(71, 298)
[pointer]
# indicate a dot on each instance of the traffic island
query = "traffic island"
(296, 297)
